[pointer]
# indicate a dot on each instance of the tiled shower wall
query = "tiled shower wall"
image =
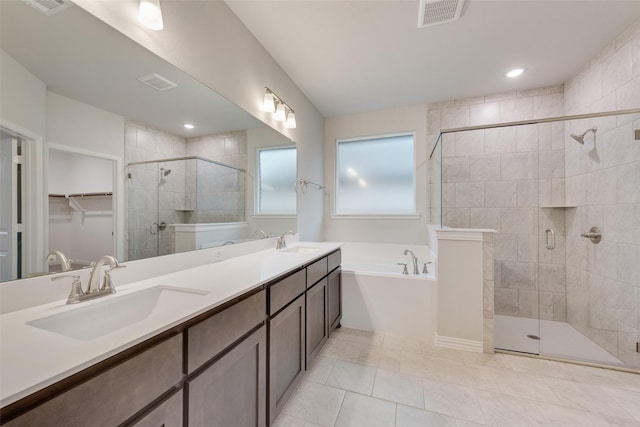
(489, 180)
(603, 179)
(498, 178)
(215, 194)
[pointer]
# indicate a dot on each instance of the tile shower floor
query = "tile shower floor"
(556, 339)
(367, 379)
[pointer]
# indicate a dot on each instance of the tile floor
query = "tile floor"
(365, 379)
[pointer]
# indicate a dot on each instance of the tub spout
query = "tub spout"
(414, 259)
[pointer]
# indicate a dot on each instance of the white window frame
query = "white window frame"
(256, 196)
(373, 215)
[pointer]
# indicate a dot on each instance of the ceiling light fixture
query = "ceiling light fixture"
(515, 73)
(150, 14)
(272, 103)
(188, 126)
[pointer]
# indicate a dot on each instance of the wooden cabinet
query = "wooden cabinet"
(317, 319)
(235, 365)
(208, 338)
(232, 390)
(113, 396)
(334, 299)
(286, 354)
(167, 414)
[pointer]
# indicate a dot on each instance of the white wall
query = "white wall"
(22, 97)
(76, 173)
(404, 119)
(81, 128)
(226, 57)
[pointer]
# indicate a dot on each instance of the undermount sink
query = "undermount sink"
(300, 250)
(93, 321)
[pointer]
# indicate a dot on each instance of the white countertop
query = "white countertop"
(32, 358)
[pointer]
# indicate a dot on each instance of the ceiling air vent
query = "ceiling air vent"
(435, 12)
(49, 7)
(157, 82)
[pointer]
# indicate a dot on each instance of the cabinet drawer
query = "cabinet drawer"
(316, 271)
(209, 337)
(334, 260)
(285, 291)
(115, 395)
(168, 414)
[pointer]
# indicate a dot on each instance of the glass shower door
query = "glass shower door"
(142, 210)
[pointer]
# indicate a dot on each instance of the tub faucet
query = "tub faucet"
(65, 263)
(414, 259)
(282, 243)
(261, 232)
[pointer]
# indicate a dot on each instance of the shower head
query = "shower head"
(165, 172)
(580, 138)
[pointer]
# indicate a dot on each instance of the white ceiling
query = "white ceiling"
(81, 57)
(365, 55)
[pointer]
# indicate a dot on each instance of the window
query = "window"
(276, 181)
(375, 176)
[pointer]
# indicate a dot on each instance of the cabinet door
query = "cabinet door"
(167, 414)
(286, 355)
(232, 391)
(335, 299)
(317, 319)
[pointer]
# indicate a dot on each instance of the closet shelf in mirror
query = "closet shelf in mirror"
(66, 196)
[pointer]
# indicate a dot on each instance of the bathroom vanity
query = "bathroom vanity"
(233, 359)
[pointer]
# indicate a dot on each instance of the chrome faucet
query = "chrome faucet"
(65, 263)
(261, 232)
(94, 288)
(281, 243)
(415, 261)
(94, 278)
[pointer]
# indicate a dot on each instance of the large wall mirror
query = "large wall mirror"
(115, 114)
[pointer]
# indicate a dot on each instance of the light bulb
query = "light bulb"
(268, 105)
(150, 14)
(291, 120)
(515, 72)
(280, 114)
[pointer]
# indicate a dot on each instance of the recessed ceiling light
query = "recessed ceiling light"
(188, 126)
(515, 72)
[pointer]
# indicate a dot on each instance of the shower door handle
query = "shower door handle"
(550, 237)
(153, 229)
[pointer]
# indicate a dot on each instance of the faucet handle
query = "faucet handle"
(404, 269)
(76, 288)
(107, 284)
(425, 269)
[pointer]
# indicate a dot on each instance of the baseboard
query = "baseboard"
(458, 344)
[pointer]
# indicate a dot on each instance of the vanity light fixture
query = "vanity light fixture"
(515, 73)
(272, 103)
(291, 120)
(188, 126)
(150, 14)
(269, 104)
(280, 114)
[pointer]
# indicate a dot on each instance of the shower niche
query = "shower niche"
(544, 186)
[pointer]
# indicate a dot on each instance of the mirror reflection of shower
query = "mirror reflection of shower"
(163, 173)
(580, 138)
